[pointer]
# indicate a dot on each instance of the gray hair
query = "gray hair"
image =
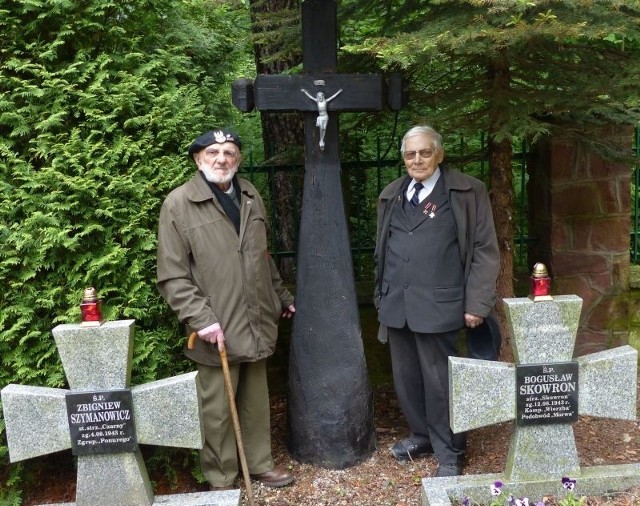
(436, 138)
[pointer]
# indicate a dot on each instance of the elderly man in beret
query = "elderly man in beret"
(215, 272)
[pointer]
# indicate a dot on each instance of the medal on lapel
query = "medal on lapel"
(430, 209)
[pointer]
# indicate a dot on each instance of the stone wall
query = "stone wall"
(579, 210)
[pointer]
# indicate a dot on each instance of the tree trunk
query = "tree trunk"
(282, 135)
(500, 155)
(501, 193)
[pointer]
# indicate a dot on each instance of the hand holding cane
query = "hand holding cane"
(234, 414)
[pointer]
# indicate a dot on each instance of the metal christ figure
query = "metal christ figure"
(323, 117)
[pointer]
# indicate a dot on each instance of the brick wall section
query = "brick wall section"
(579, 207)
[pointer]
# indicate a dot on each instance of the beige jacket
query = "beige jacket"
(208, 273)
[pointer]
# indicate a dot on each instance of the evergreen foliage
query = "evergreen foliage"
(98, 102)
(516, 69)
(569, 66)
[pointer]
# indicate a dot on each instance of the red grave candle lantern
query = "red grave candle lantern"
(540, 283)
(90, 308)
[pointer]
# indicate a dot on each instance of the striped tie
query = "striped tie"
(416, 193)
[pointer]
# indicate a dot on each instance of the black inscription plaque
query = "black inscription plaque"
(547, 393)
(101, 422)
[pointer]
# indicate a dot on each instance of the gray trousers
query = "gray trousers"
(219, 458)
(421, 379)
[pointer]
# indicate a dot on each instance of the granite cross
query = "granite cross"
(330, 411)
(100, 417)
(545, 390)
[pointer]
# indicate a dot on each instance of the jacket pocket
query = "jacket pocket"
(448, 293)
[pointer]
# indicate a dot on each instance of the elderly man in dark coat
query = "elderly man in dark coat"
(437, 262)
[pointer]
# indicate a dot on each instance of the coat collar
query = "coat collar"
(198, 190)
(456, 180)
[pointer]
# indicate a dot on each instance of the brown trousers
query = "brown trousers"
(219, 458)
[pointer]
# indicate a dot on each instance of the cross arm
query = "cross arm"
(476, 403)
(608, 383)
(361, 92)
(167, 412)
(36, 421)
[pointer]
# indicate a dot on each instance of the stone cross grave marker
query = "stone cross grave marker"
(545, 390)
(102, 419)
(330, 410)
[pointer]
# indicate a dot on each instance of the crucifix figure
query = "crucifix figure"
(323, 117)
(330, 409)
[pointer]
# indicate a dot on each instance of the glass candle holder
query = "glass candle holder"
(90, 308)
(540, 283)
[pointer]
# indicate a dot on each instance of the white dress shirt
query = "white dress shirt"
(428, 183)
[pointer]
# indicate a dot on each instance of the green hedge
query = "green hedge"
(98, 102)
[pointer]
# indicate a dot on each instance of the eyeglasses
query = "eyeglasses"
(227, 153)
(424, 153)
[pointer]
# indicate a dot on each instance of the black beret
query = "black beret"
(217, 136)
(484, 341)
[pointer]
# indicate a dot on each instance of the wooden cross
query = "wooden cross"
(330, 411)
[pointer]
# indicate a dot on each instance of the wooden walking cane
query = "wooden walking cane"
(234, 414)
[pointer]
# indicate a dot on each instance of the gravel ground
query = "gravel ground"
(378, 481)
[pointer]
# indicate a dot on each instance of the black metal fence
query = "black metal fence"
(363, 180)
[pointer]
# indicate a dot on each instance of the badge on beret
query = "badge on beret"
(220, 137)
(213, 137)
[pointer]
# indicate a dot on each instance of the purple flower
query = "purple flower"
(568, 483)
(466, 501)
(540, 503)
(496, 488)
(512, 500)
(523, 501)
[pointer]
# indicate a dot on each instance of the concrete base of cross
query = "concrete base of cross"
(221, 498)
(590, 481)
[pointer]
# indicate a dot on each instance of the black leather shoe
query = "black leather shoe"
(277, 477)
(448, 470)
(408, 450)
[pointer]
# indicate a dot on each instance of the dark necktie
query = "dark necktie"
(416, 194)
